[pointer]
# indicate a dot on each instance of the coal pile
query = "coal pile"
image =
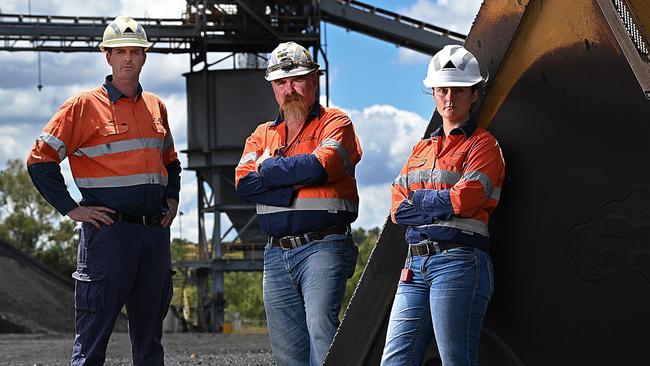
(33, 297)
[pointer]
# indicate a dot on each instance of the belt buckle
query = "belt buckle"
(426, 245)
(282, 241)
(144, 220)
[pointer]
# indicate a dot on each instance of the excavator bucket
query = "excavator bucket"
(568, 102)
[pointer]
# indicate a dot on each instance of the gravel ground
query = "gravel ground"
(180, 349)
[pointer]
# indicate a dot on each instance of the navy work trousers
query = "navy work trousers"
(121, 264)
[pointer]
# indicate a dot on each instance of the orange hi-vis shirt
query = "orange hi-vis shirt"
(447, 193)
(308, 184)
(121, 153)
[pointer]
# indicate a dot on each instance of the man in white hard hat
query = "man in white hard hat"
(299, 170)
(123, 161)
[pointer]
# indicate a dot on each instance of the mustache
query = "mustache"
(293, 97)
(294, 108)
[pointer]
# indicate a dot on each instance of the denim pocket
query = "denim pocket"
(464, 253)
(89, 289)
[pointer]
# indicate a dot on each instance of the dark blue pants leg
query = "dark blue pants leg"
(118, 264)
(149, 299)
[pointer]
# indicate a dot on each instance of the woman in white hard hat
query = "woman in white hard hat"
(444, 196)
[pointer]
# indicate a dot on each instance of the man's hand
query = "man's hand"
(95, 215)
(265, 155)
(169, 216)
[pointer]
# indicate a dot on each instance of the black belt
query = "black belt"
(145, 220)
(290, 242)
(425, 248)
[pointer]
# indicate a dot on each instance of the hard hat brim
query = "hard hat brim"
(454, 84)
(104, 45)
(281, 74)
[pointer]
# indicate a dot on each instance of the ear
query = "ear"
(474, 95)
(315, 78)
(108, 57)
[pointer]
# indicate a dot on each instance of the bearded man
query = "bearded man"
(299, 170)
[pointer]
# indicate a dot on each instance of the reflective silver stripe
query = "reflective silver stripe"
(116, 28)
(428, 176)
(331, 205)
(482, 178)
(169, 141)
(400, 181)
(251, 156)
(349, 169)
(54, 143)
(436, 63)
(118, 147)
(461, 65)
(496, 193)
(436, 176)
(471, 225)
(121, 181)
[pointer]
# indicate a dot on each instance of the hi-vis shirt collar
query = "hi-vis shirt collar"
(113, 94)
(466, 128)
(313, 112)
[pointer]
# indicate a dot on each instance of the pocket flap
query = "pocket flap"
(86, 275)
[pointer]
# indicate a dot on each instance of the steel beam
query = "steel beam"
(388, 26)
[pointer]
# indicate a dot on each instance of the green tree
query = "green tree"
(29, 223)
(244, 294)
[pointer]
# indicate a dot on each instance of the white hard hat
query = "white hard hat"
(123, 31)
(453, 66)
(289, 59)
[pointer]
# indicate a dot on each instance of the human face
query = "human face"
(126, 62)
(454, 103)
(304, 86)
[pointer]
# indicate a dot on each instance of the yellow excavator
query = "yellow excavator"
(568, 100)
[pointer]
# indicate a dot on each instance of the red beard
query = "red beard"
(294, 108)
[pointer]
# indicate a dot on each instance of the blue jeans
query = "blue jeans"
(448, 296)
(303, 290)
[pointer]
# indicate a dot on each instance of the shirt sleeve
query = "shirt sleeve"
(336, 156)
(170, 158)
(482, 178)
(407, 207)
(248, 182)
(52, 146)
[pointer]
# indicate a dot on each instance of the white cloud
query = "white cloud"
(455, 15)
(374, 206)
(387, 135)
(14, 142)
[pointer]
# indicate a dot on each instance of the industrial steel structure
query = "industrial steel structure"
(248, 30)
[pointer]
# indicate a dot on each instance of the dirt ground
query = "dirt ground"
(180, 349)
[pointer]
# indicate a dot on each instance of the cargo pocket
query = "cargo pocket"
(168, 293)
(89, 290)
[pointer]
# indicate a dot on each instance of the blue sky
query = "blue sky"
(378, 84)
